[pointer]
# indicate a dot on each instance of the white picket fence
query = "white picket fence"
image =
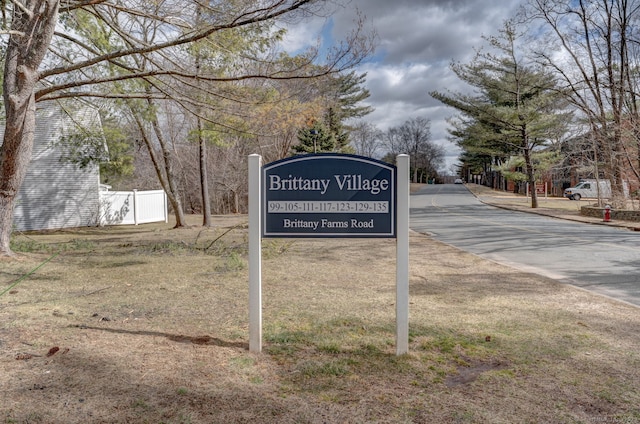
(133, 207)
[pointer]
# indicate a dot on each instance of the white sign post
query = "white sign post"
(255, 254)
(288, 213)
(402, 257)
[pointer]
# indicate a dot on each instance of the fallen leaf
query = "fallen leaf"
(23, 356)
(53, 351)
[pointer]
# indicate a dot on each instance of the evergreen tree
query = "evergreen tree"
(347, 93)
(337, 131)
(516, 108)
(351, 94)
(316, 139)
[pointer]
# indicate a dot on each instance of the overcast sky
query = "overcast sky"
(418, 39)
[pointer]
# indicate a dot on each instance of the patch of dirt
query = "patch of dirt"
(469, 373)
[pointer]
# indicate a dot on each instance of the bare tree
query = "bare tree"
(162, 157)
(413, 137)
(366, 139)
(102, 43)
(594, 52)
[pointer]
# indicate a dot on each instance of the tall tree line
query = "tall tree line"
(560, 74)
(138, 53)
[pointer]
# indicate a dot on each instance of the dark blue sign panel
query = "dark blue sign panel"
(329, 195)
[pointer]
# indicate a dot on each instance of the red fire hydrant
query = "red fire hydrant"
(607, 213)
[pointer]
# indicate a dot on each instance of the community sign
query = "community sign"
(329, 195)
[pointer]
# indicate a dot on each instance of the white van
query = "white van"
(589, 188)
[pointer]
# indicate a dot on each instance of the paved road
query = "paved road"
(598, 258)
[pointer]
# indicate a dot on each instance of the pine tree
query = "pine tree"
(516, 108)
(315, 140)
(348, 95)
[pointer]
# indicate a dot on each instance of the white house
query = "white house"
(57, 193)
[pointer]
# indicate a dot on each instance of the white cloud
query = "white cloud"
(418, 41)
(302, 36)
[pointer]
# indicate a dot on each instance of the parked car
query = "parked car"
(589, 188)
(458, 181)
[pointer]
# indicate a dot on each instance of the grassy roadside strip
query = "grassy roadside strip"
(166, 341)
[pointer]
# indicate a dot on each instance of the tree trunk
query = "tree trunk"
(15, 155)
(25, 50)
(164, 169)
(167, 157)
(204, 181)
(531, 178)
(202, 146)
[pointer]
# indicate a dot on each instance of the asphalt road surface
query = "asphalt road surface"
(602, 259)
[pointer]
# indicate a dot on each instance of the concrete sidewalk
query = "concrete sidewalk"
(556, 207)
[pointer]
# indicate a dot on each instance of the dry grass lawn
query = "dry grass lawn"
(150, 325)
